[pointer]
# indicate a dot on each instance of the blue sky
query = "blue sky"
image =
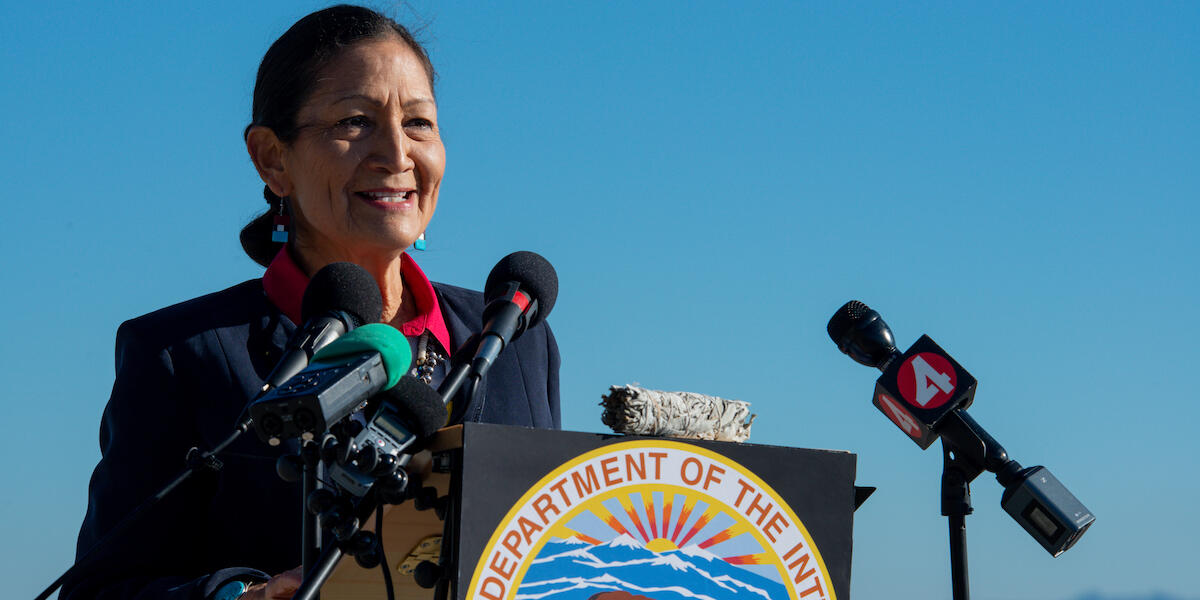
(711, 181)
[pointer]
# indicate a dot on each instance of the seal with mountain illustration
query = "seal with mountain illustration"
(650, 520)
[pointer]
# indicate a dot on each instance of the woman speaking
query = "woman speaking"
(344, 134)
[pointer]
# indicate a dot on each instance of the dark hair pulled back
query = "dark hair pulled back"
(286, 77)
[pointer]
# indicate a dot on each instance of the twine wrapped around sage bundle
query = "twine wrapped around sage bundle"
(638, 411)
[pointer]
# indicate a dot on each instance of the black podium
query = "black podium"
(558, 515)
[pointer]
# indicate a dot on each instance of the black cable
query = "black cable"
(383, 561)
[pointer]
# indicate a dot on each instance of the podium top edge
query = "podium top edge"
(452, 437)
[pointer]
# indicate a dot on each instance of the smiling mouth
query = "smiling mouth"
(389, 196)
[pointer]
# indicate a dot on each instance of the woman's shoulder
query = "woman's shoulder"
(462, 303)
(465, 306)
(459, 294)
(237, 305)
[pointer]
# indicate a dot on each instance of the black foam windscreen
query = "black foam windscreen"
(346, 287)
(862, 334)
(535, 275)
(845, 318)
(422, 405)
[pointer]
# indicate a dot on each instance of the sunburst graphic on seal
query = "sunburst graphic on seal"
(660, 542)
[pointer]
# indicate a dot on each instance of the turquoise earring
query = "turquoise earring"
(420, 243)
(279, 233)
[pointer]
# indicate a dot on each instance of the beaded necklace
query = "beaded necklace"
(427, 359)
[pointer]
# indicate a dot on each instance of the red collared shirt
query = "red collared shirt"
(284, 284)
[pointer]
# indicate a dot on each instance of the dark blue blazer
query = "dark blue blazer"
(184, 374)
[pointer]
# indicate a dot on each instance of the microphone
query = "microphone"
(340, 297)
(918, 388)
(340, 378)
(925, 392)
(407, 414)
(861, 334)
(520, 292)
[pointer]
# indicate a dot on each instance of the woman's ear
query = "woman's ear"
(266, 151)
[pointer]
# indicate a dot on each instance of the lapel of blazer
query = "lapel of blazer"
(269, 333)
(456, 317)
(455, 323)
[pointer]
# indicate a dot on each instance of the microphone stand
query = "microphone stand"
(957, 475)
(197, 460)
(967, 451)
(315, 576)
(343, 519)
(310, 528)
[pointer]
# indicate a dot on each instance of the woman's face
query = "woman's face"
(368, 159)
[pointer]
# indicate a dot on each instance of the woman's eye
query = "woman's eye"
(356, 122)
(419, 123)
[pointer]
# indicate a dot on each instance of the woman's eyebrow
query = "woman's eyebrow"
(419, 101)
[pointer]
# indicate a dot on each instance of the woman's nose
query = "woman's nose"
(391, 151)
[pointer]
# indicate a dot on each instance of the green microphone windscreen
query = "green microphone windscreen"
(391, 345)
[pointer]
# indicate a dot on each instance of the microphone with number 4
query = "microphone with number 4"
(918, 388)
(925, 392)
